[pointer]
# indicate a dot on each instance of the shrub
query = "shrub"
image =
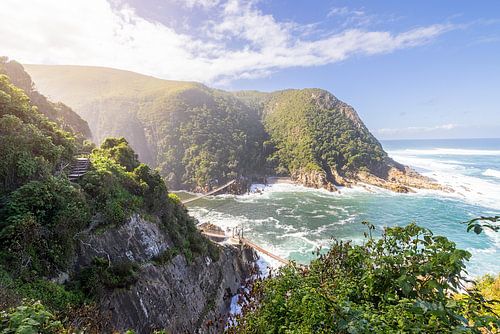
(102, 275)
(29, 318)
(39, 221)
(401, 283)
(489, 287)
(166, 256)
(52, 295)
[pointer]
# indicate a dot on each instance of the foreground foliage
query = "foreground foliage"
(31, 318)
(403, 282)
(489, 287)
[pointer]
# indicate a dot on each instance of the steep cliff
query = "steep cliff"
(171, 294)
(321, 142)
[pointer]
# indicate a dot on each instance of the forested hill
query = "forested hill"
(58, 112)
(199, 137)
(89, 250)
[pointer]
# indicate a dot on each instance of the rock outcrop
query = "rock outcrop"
(177, 296)
(313, 179)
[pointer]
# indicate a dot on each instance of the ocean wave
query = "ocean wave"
(444, 151)
(427, 163)
(492, 172)
(468, 188)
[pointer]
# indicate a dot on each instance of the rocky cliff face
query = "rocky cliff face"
(177, 296)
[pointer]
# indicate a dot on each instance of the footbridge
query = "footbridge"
(237, 239)
(189, 200)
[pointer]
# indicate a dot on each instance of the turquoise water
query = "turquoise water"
(293, 221)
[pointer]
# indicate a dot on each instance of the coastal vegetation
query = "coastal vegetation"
(58, 112)
(42, 215)
(406, 281)
(210, 139)
(313, 131)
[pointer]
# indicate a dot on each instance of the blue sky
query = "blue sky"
(412, 69)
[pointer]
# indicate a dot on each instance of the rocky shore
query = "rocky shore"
(400, 179)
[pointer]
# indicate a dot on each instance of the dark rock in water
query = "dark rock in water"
(240, 187)
(176, 296)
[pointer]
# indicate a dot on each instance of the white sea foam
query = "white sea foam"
(494, 236)
(260, 192)
(445, 151)
(492, 172)
(469, 188)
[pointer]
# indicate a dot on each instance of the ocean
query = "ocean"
(293, 221)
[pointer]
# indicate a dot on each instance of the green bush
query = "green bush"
(38, 223)
(29, 318)
(101, 275)
(403, 282)
(489, 287)
(53, 295)
(166, 256)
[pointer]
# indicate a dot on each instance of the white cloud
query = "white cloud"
(345, 11)
(351, 17)
(199, 3)
(240, 41)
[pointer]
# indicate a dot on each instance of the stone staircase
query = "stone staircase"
(79, 169)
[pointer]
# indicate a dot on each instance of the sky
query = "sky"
(411, 69)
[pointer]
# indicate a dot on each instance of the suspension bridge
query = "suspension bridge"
(189, 200)
(236, 237)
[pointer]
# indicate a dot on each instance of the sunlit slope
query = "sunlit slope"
(74, 84)
(114, 102)
(193, 133)
(56, 111)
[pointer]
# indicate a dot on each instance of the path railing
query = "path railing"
(237, 238)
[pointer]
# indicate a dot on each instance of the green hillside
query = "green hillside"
(58, 112)
(199, 137)
(195, 135)
(315, 132)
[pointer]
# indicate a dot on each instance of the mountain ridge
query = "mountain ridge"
(55, 111)
(198, 136)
